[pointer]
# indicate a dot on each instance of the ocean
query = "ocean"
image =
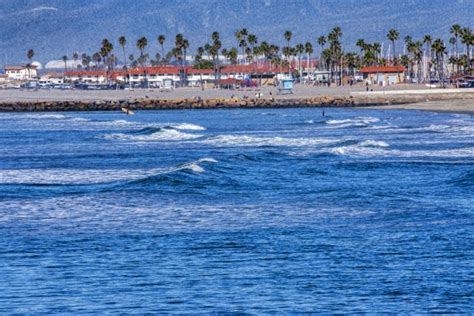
(237, 211)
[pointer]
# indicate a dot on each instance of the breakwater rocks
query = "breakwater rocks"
(177, 104)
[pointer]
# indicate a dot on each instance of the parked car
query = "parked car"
(466, 84)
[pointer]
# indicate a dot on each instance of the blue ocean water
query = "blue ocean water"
(258, 211)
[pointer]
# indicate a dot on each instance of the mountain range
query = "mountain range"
(54, 28)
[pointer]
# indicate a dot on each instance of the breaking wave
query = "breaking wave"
(353, 122)
(259, 141)
(188, 127)
(153, 134)
(78, 177)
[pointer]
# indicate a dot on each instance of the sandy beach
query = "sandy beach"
(300, 91)
(410, 97)
(462, 106)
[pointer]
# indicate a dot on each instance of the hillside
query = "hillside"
(57, 27)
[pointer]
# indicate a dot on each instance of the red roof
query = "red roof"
(155, 70)
(175, 70)
(382, 69)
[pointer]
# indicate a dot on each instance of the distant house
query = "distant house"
(383, 75)
(21, 72)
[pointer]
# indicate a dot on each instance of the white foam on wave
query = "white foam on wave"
(363, 148)
(374, 143)
(79, 119)
(357, 121)
(188, 127)
(120, 122)
(61, 176)
(210, 160)
(460, 130)
(372, 148)
(246, 140)
(43, 116)
(161, 135)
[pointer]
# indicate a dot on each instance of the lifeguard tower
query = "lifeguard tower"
(286, 86)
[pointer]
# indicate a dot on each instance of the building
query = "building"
(156, 76)
(3, 78)
(383, 75)
(86, 76)
(51, 79)
(263, 73)
(21, 72)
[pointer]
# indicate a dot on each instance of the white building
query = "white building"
(155, 75)
(21, 72)
(93, 76)
(51, 79)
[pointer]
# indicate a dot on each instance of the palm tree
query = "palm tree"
(392, 36)
(336, 48)
(408, 40)
(252, 40)
(122, 42)
(299, 50)
(321, 42)
(352, 61)
(97, 58)
(30, 55)
(239, 36)
(141, 45)
(214, 51)
(161, 41)
(185, 48)
(456, 30)
(362, 46)
(452, 41)
(105, 51)
(308, 47)
(467, 38)
(288, 35)
(65, 67)
(416, 51)
(86, 61)
(439, 49)
(377, 47)
(179, 47)
(225, 54)
(427, 40)
(75, 57)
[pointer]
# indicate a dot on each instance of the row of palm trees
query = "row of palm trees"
(424, 55)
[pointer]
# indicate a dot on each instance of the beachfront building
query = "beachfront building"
(51, 79)
(3, 78)
(261, 74)
(196, 76)
(21, 72)
(156, 76)
(383, 75)
(89, 76)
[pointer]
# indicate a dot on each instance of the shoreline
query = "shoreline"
(438, 100)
